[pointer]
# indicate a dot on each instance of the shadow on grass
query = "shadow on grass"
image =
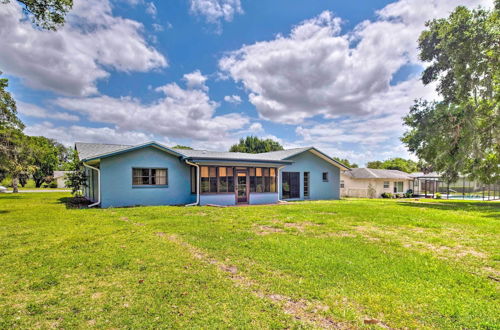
(4, 211)
(491, 208)
(74, 202)
(10, 196)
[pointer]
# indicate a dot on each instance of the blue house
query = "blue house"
(153, 174)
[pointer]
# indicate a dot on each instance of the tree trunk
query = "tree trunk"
(38, 182)
(15, 182)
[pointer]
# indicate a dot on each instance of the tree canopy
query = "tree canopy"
(8, 109)
(460, 133)
(46, 14)
(255, 145)
(180, 146)
(400, 164)
(346, 162)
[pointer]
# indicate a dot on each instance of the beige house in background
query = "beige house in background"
(371, 183)
(60, 178)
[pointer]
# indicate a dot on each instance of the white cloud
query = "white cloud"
(75, 133)
(215, 11)
(256, 128)
(71, 60)
(151, 9)
(35, 111)
(181, 113)
(157, 27)
(234, 99)
(316, 70)
(195, 80)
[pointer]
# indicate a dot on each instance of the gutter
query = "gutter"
(197, 183)
(98, 184)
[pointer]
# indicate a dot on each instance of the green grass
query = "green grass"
(30, 185)
(308, 264)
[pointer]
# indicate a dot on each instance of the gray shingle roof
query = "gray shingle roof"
(88, 150)
(370, 173)
(267, 156)
(428, 175)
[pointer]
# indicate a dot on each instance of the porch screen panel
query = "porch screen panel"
(290, 185)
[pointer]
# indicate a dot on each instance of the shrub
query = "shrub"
(386, 195)
(53, 184)
(438, 196)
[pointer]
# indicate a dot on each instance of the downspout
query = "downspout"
(197, 184)
(98, 184)
(279, 183)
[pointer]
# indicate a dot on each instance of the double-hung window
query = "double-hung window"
(386, 184)
(149, 176)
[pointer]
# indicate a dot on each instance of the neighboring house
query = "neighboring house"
(60, 178)
(153, 174)
(368, 182)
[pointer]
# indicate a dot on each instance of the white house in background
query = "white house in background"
(359, 182)
(60, 178)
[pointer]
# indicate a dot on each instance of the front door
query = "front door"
(241, 186)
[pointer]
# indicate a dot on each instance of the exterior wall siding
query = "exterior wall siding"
(218, 199)
(359, 187)
(318, 190)
(263, 198)
(116, 180)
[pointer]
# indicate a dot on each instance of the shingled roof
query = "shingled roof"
(370, 173)
(88, 151)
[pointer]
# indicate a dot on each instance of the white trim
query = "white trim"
(328, 159)
(197, 184)
(279, 183)
(98, 184)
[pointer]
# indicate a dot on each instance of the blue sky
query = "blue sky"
(338, 75)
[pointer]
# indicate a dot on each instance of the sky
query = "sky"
(337, 75)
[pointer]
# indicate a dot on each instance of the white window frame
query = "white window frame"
(396, 183)
(387, 184)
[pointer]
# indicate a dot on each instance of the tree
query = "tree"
(400, 164)
(376, 164)
(346, 162)
(46, 14)
(255, 145)
(460, 134)
(179, 146)
(15, 155)
(76, 178)
(45, 157)
(8, 109)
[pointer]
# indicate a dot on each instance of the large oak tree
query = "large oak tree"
(460, 133)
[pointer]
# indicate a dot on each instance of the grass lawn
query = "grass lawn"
(350, 263)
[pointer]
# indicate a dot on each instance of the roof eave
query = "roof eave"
(237, 160)
(132, 148)
(328, 158)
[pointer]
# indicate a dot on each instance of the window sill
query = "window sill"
(149, 186)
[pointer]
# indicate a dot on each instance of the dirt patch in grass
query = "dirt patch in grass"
(441, 251)
(266, 230)
(300, 226)
(303, 310)
(336, 234)
(125, 219)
